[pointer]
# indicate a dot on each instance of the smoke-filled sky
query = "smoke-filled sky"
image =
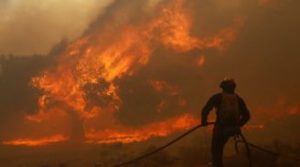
(260, 49)
(33, 26)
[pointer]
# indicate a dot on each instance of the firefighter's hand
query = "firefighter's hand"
(204, 123)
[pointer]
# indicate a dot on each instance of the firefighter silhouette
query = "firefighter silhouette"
(232, 114)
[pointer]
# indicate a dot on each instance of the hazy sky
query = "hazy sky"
(34, 26)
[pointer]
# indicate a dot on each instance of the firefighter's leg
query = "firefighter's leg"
(218, 142)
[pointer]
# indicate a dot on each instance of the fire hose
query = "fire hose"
(161, 148)
(239, 138)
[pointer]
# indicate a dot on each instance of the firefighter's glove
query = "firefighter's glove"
(204, 123)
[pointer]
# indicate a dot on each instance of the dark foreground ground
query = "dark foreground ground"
(187, 153)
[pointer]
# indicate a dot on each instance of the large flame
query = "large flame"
(108, 53)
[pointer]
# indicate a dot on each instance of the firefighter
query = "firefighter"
(231, 115)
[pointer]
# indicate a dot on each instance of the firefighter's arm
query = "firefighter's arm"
(245, 114)
(206, 109)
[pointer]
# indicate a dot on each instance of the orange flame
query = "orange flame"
(37, 142)
(159, 129)
(109, 53)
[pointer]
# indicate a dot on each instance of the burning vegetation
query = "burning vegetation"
(83, 86)
(142, 71)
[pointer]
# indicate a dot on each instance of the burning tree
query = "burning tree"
(84, 89)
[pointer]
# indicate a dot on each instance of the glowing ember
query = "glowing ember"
(36, 142)
(254, 127)
(201, 60)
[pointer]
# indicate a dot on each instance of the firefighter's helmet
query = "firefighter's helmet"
(228, 84)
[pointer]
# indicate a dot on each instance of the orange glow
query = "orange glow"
(175, 25)
(266, 2)
(254, 127)
(270, 3)
(162, 86)
(201, 60)
(106, 54)
(294, 110)
(128, 135)
(281, 108)
(36, 142)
